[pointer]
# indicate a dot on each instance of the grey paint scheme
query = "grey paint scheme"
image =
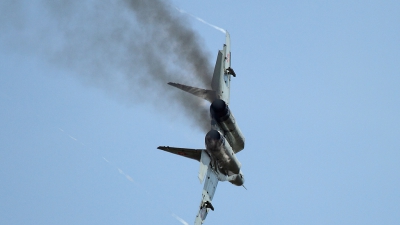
(218, 161)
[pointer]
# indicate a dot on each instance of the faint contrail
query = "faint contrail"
(201, 20)
(180, 219)
(120, 171)
(131, 180)
(128, 177)
(105, 160)
(72, 138)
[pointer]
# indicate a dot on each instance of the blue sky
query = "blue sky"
(316, 96)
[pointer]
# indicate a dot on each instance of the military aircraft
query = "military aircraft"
(218, 161)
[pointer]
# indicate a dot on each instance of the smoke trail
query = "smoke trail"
(130, 48)
(201, 20)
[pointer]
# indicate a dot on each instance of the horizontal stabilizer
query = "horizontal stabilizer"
(208, 95)
(185, 152)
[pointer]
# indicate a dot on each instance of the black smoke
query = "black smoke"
(130, 48)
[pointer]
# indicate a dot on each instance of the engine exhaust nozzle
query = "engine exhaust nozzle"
(219, 110)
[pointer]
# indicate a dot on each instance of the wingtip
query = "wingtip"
(173, 84)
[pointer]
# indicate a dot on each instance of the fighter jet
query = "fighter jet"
(218, 160)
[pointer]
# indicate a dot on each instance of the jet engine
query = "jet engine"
(222, 153)
(226, 121)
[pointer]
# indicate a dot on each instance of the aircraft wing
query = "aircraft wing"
(185, 152)
(211, 178)
(210, 185)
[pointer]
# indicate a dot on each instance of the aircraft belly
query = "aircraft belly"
(222, 160)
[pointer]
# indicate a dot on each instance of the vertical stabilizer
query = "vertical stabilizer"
(222, 72)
